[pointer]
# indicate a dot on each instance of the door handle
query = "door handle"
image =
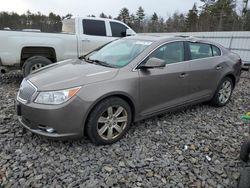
(86, 40)
(183, 75)
(218, 67)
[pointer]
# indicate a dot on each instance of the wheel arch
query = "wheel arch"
(232, 77)
(31, 51)
(121, 95)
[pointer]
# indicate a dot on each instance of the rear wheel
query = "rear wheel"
(34, 63)
(109, 121)
(223, 93)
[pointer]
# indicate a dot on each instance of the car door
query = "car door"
(94, 35)
(206, 65)
(163, 88)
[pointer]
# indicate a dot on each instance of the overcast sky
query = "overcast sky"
(86, 7)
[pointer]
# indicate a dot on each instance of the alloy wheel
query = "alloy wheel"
(112, 122)
(225, 92)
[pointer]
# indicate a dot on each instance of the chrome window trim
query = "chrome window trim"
(221, 54)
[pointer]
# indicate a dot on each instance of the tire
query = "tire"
(103, 126)
(245, 151)
(244, 181)
(222, 92)
(34, 63)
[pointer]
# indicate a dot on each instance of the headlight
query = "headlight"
(56, 97)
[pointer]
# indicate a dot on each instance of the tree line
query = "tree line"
(213, 15)
(44, 23)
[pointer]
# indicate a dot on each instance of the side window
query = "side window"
(216, 51)
(200, 50)
(94, 27)
(171, 52)
(118, 30)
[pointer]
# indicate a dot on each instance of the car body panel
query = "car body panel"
(65, 118)
(71, 74)
(204, 76)
(163, 87)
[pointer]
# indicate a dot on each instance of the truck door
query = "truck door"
(94, 35)
(118, 30)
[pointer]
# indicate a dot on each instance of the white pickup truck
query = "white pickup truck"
(33, 50)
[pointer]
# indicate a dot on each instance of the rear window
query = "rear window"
(118, 30)
(200, 50)
(94, 27)
(68, 26)
(216, 51)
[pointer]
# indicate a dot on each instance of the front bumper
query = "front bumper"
(67, 120)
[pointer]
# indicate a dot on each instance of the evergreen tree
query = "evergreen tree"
(247, 21)
(140, 15)
(124, 16)
(153, 26)
(102, 15)
(192, 19)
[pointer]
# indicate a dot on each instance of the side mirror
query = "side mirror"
(129, 32)
(153, 63)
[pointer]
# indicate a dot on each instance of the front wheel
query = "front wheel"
(109, 121)
(223, 93)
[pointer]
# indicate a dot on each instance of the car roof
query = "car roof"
(168, 38)
(155, 37)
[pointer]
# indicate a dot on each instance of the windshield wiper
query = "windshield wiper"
(82, 57)
(103, 63)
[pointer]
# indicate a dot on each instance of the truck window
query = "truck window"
(118, 30)
(68, 26)
(94, 27)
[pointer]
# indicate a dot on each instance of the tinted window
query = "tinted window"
(94, 27)
(171, 52)
(118, 30)
(200, 50)
(216, 51)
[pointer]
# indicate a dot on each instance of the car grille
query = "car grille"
(26, 91)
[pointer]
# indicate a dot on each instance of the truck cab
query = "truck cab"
(95, 32)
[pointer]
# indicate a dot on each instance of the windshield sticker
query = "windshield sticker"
(143, 43)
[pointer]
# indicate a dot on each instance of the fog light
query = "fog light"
(50, 130)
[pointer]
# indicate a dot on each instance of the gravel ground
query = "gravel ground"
(194, 147)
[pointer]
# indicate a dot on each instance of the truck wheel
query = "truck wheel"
(34, 63)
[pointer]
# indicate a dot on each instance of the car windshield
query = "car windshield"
(118, 53)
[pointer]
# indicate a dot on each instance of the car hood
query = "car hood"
(70, 73)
